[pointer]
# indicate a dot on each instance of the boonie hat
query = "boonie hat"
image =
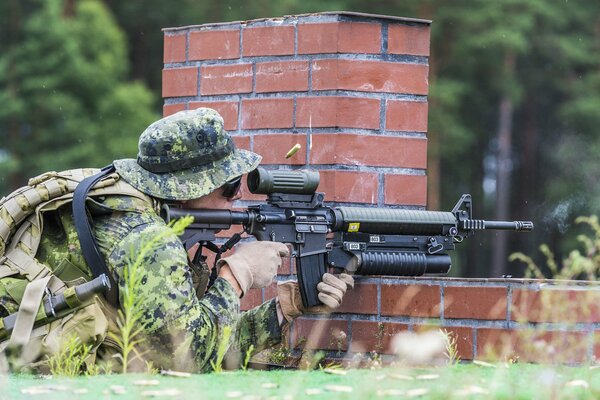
(185, 156)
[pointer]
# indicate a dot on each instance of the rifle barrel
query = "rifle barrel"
(474, 224)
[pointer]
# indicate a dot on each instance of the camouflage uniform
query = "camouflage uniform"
(175, 321)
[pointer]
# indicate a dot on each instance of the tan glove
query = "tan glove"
(332, 289)
(255, 264)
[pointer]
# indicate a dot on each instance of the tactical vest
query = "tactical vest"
(25, 282)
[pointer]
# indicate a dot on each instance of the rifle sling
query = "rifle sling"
(89, 246)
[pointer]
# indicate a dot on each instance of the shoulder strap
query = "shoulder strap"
(89, 247)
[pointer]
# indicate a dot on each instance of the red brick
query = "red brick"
(170, 109)
(464, 341)
(214, 45)
(596, 345)
(410, 300)
(251, 299)
(227, 109)
(178, 82)
(339, 37)
(271, 291)
(370, 336)
(472, 302)
(532, 345)
(375, 150)
(274, 147)
(556, 305)
(409, 39)
(225, 79)
(267, 113)
(369, 76)
(282, 76)
(321, 334)
(405, 190)
(286, 266)
(268, 41)
(495, 344)
(242, 142)
(343, 112)
(349, 186)
(360, 300)
(174, 48)
(408, 116)
(553, 346)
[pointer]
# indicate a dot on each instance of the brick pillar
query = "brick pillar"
(350, 88)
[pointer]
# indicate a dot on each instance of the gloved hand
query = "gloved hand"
(255, 264)
(331, 293)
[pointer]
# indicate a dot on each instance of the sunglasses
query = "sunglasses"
(232, 188)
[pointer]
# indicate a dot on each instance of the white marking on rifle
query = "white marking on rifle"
(353, 246)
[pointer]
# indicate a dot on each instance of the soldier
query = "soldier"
(187, 159)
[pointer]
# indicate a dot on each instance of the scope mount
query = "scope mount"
(286, 200)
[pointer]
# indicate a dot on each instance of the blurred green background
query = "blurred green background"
(513, 117)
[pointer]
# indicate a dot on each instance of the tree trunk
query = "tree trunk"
(503, 173)
(15, 179)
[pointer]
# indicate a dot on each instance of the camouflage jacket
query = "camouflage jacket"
(183, 332)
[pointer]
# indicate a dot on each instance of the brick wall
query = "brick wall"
(351, 89)
(491, 319)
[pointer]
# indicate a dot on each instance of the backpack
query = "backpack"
(25, 282)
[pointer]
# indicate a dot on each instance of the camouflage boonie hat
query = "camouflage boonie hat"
(185, 156)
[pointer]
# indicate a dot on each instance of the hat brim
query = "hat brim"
(190, 183)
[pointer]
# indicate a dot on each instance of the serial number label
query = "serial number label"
(353, 246)
(375, 239)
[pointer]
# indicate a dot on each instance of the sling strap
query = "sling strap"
(89, 246)
(32, 300)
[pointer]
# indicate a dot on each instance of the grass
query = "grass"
(517, 381)
(71, 359)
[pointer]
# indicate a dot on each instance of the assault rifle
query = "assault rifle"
(364, 241)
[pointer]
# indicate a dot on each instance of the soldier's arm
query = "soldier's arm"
(182, 331)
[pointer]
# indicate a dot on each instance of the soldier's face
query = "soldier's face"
(214, 200)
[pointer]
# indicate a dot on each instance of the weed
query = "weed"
(70, 361)
(248, 356)
(315, 360)
(451, 347)
(558, 305)
(379, 337)
(576, 265)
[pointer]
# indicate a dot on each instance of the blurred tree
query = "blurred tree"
(63, 85)
(527, 69)
(143, 21)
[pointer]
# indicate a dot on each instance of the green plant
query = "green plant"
(576, 265)
(451, 347)
(70, 361)
(316, 359)
(129, 336)
(217, 365)
(248, 356)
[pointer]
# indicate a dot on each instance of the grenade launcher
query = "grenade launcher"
(364, 241)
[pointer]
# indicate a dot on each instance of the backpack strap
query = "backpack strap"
(89, 246)
(28, 310)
